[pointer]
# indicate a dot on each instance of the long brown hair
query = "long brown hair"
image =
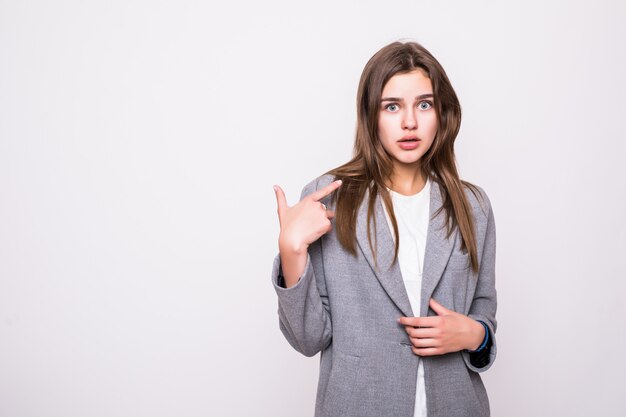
(371, 165)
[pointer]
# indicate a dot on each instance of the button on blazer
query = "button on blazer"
(347, 307)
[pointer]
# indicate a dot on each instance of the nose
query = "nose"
(409, 121)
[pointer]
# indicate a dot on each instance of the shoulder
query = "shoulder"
(478, 199)
(317, 183)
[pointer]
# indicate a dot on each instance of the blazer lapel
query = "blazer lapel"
(437, 252)
(388, 273)
(438, 248)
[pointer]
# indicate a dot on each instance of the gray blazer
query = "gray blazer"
(346, 309)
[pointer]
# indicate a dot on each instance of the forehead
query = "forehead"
(408, 83)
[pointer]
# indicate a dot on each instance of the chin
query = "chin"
(411, 161)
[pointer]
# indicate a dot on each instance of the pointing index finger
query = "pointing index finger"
(319, 194)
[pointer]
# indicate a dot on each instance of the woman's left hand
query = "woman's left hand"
(446, 332)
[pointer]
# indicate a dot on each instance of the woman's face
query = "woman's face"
(407, 122)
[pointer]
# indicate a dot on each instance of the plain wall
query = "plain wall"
(139, 142)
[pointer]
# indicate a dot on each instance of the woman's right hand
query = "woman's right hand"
(301, 225)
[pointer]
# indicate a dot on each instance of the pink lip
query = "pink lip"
(408, 142)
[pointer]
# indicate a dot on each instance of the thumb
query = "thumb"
(281, 200)
(438, 308)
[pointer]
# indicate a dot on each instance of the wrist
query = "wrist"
(478, 336)
(287, 247)
(484, 338)
(293, 261)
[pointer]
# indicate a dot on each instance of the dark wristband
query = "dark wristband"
(480, 357)
(485, 339)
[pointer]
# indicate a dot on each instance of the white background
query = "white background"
(139, 142)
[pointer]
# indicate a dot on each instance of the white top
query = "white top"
(412, 217)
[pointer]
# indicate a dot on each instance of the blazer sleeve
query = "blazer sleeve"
(484, 304)
(303, 309)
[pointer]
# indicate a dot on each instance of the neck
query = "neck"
(407, 179)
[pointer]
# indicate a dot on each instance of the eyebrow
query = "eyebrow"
(399, 99)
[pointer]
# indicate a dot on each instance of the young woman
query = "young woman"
(387, 263)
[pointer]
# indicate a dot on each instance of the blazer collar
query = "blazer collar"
(437, 252)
